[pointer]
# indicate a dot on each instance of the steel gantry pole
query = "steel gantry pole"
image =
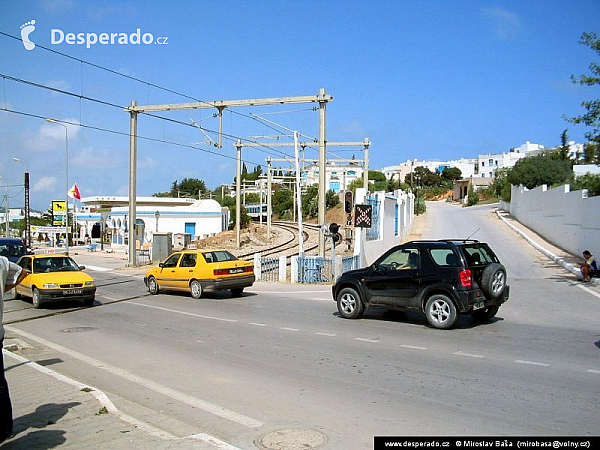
(132, 182)
(366, 143)
(322, 162)
(269, 193)
(238, 186)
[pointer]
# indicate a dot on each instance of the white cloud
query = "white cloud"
(44, 184)
(507, 25)
(354, 129)
(91, 158)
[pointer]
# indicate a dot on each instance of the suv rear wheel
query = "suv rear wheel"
(440, 312)
(349, 304)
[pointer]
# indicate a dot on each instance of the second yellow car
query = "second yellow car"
(197, 271)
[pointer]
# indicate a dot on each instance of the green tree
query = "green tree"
(589, 181)
(451, 174)
(592, 117)
(187, 187)
(283, 202)
(537, 170)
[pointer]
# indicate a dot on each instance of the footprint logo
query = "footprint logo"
(26, 30)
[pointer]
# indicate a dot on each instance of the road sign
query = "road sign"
(363, 216)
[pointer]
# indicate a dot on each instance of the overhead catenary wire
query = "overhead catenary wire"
(115, 72)
(121, 107)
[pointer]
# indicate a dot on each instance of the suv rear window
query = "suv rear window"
(478, 255)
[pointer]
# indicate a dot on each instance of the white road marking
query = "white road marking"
(593, 371)
(97, 268)
(326, 334)
(289, 329)
(149, 384)
(413, 347)
(588, 290)
(183, 312)
(534, 363)
(258, 324)
(470, 355)
(375, 341)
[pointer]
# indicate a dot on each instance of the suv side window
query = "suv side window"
(444, 257)
(405, 258)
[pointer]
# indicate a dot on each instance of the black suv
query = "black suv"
(442, 279)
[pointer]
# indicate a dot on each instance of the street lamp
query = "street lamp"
(66, 180)
(157, 215)
(27, 207)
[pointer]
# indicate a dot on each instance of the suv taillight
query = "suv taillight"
(465, 278)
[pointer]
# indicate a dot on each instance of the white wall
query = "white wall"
(570, 220)
(370, 250)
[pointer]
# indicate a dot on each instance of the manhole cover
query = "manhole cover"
(77, 329)
(292, 440)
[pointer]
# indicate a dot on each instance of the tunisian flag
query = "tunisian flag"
(74, 192)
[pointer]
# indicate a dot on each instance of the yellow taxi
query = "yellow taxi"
(54, 277)
(197, 271)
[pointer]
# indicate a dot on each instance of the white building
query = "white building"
(198, 218)
(337, 176)
(489, 163)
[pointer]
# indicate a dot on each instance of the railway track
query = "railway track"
(290, 247)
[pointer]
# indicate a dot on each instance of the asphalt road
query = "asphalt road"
(280, 357)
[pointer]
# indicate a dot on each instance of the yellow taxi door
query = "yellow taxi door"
(184, 271)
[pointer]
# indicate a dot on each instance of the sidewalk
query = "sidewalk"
(51, 410)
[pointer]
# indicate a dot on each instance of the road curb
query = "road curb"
(573, 268)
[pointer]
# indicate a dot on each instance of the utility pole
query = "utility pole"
(132, 182)
(238, 185)
(269, 194)
(322, 157)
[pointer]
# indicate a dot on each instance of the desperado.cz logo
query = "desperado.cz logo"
(58, 36)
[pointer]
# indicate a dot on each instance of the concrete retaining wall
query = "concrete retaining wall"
(569, 220)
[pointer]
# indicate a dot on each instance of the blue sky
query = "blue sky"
(421, 79)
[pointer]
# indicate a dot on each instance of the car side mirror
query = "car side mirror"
(81, 267)
(161, 265)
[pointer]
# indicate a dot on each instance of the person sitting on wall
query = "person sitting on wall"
(589, 266)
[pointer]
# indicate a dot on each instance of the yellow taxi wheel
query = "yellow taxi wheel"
(196, 289)
(36, 299)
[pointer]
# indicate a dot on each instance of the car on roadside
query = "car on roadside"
(441, 278)
(54, 277)
(198, 271)
(12, 248)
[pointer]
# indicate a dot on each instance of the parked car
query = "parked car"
(442, 279)
(197, 271)
(54, 277)
(12, 248)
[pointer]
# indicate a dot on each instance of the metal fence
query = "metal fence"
(314, 269)
(269, 269)
(373, 232)
(350, 263)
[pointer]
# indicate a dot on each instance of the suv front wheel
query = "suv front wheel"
(440, 312)
(349, 303)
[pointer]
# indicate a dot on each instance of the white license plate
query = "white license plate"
(478, 305)
(72, 292)
(236, 270)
